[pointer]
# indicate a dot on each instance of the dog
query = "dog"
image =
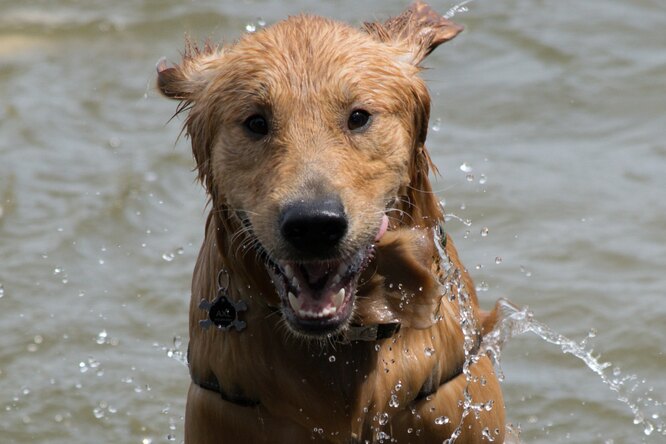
(327, 299)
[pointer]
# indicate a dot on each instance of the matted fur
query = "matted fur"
(307, 73)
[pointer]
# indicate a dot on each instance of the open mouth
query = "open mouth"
(318, 296)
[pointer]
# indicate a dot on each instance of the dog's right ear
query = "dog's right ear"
(417, 31)
(186, 80)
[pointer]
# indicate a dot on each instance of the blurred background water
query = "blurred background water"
(549, 129)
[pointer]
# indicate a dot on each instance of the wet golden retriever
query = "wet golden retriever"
(327, 301)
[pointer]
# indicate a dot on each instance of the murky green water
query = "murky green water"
(557, 109)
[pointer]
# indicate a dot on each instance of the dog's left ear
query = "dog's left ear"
(418, 31)
(186, 80)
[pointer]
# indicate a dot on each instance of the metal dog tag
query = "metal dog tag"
(222, 311)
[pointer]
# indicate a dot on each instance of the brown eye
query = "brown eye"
(358, 119)
(256, 124)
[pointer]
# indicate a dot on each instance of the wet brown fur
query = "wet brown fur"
(307, 73)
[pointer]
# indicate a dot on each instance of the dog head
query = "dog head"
(309, 134)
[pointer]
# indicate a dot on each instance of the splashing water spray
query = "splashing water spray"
(460, 7)
(514, 321)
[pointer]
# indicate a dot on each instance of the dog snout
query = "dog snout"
(314, 227)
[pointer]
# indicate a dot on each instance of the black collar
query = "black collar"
(373, 332)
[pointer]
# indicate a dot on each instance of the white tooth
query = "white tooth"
(339, 298)
(329, 311)
(288, 271)
(293, 301)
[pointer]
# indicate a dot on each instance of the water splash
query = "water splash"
(176, 351)
(460, 7)
(456, 290)
(515, 321)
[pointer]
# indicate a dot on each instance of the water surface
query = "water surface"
(556, 109)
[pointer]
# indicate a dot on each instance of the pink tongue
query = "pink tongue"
(382, 228)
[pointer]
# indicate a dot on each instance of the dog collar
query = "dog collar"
(373, 332)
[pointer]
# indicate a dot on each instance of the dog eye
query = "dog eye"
(256, 124)
(358, 119)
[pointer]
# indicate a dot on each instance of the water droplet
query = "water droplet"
(483, 179)
(381, 436)
(393, 402)
(469, 177)
(250, 27)
(168, 256)
(437, 125)
(261, 22)
(484, 231)
(486, 434)
(428, 351)
(101, 337)
(383, 418)
(378, 347)
(498, 260)
(2, 290)
(465, 167)
(398, 386)
(441, 420)
(648, 428)
(483, 286)
(98, 412)
(114, 142)
(331, 358)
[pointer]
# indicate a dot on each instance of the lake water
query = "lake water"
(548, 126)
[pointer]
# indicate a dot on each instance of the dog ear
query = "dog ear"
(186, 80)
(418, 30)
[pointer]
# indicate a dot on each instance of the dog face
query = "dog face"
(307, 133)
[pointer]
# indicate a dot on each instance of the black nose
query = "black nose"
(314, 226)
